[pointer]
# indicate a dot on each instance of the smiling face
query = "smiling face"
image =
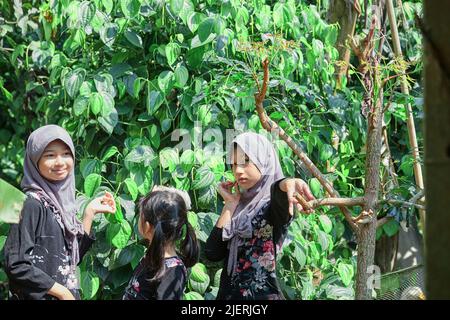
(56, 161)
(245, 172)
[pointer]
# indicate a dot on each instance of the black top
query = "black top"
(169, 287)
(255, 276)
(36, 254)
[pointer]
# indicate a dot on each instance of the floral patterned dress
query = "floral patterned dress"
(36, 253)
(169, 287)
(255, 274)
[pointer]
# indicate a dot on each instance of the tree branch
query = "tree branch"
(273, 128)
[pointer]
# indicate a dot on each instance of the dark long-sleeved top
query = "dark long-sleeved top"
(36, 253)
(169, 287)
(255, 274)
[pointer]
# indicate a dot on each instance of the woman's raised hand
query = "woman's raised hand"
(225, 189)
(292, 186)
(102, 204)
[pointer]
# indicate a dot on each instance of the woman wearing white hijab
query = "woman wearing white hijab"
(253, 221)
(44, 248)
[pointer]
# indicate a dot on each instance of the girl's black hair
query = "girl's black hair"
(166, 211)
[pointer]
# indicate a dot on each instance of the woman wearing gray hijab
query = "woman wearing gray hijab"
(254, 220)
(44, 248)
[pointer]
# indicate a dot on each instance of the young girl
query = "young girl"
(44, 248)
(161, 274)
(253, 221)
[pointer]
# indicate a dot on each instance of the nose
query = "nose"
(239, 169)
(59, 161)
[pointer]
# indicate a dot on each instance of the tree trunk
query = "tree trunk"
(345, 13)
(437, 147)
(366, 233)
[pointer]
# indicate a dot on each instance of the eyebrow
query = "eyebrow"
(53, 150)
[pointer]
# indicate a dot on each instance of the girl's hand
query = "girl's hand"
(225, 190)
(103, 204)
(292, 186)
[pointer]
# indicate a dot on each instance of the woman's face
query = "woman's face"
(245, 172)
(56, 161)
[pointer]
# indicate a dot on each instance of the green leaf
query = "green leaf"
(300, 256)
(73, 81)
(90, 284)
(111, 151)
(119, 234)
(132, 188)
(203, 178)
(317, 46)
(88, 166)
(165, 80)
(117, 217)
(109, 119)
(326, 151)
(91, 183)
(346, 273)
(108, 33)
(323, 240)
(199, 273)
(193, 295)
(204, 114)
(193, 220)
(176, 6)
(141, 154)
(391, 227)
(282, 14)
(316, 188)
(187, 160)
(217, 278)
(168, 159)
(194, 21)
(134, 38)
(80, 105)
(130, 8)
(325, 223)
(104, 83)
(199, 287)
(11, 202)
(172, 51)
(96, 103)
(206, 28)
(2, 242)
(108, 5)
(154, 101)
(86, 12)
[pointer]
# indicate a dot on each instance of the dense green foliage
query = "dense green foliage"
(122, 75)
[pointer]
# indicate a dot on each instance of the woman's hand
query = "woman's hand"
(231, 200)
(225, 190)
(292, 186)
(61, 292)
(103, 204)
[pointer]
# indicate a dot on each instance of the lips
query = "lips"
(59, 171)
(242, 180)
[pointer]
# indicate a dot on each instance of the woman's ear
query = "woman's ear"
(148, 230)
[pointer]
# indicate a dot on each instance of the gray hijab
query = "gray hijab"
(60, 194)
(261, 152)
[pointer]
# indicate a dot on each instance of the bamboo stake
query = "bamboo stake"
(410, 121)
